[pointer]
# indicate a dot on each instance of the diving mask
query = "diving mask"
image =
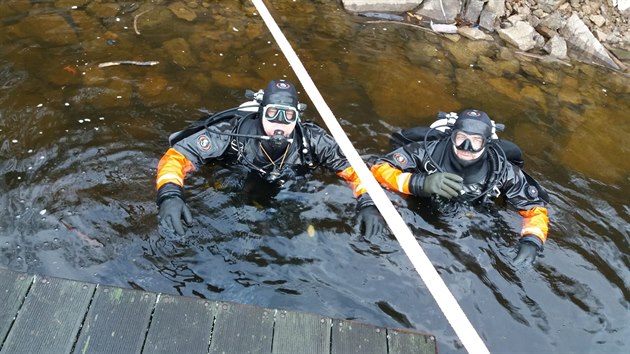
(468, 142)
(280, 113)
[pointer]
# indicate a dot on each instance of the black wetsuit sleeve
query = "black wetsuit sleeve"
(325, 149)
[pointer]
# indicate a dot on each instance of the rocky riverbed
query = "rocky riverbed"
(592, 31)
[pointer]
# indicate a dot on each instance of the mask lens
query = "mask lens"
(271, 113)
(289, 116)
(463, 141)
(280, 114)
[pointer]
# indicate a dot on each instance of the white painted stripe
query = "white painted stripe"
(170, 176)
(400, 181)
(533, 230)
(445, 300)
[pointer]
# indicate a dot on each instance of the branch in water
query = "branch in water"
(128, 62)
(135, 20)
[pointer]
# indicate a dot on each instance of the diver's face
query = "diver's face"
(273, 128)
(467, 147)
(467, 155)
(279, 119)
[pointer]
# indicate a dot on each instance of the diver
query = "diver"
(266, 136)
(460, 159)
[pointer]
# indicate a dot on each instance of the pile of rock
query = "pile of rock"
(596, 31)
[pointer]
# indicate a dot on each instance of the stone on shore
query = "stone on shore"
(593, 31)
(491, 13)
(442, 12)
(521, 35)
(580, 37)
(556, 47)
(379, 5)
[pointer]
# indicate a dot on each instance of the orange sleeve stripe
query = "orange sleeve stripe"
(172, 168)
(535, 222)
(350, 175)
(391, 177)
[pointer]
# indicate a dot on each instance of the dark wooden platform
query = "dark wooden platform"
(51, 315)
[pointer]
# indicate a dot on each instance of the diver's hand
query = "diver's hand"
(172, 211)
(371, 221)
(443, 184)
(527, 251)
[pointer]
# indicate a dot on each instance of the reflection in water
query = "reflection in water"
(80, 145)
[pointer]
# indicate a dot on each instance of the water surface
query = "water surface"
(80, 145)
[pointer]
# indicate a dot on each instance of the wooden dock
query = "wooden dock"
(51, 315)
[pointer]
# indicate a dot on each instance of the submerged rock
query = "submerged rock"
(152, 86)
(48, 29)
(180, 52)
(180, 10)
(474, 33)
(103, 10)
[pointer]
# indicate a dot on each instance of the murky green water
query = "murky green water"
(80, 145)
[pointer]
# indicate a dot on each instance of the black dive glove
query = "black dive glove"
(445, 184)
(528, 247)
(172, 207)
(371, 221)
(370, 218)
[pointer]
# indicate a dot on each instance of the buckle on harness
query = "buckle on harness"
(429, 167)
(496, 190)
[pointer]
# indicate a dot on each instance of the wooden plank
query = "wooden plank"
(116, 321)
(40, 315)
(354, 337)
(180, 325)
(242, 329)
(301, 333)
(13, 289)
(402, 342)
(50, 317)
